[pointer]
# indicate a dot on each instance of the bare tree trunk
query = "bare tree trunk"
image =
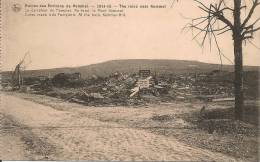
(238, 83)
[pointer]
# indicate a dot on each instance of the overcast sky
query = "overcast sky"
(142, 34)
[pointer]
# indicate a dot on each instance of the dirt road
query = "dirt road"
(33, 131)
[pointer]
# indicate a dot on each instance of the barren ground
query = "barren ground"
(44, 128)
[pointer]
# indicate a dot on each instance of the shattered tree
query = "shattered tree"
(17, 79)
(225, 16)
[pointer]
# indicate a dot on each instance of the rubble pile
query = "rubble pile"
(198, 86)
(135, 89)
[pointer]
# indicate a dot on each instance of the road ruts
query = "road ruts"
(76, 137)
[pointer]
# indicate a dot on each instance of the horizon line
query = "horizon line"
(63, 67)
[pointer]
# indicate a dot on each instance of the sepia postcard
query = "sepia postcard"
(129, 80)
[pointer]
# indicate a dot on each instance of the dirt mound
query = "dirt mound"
(228, 126)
